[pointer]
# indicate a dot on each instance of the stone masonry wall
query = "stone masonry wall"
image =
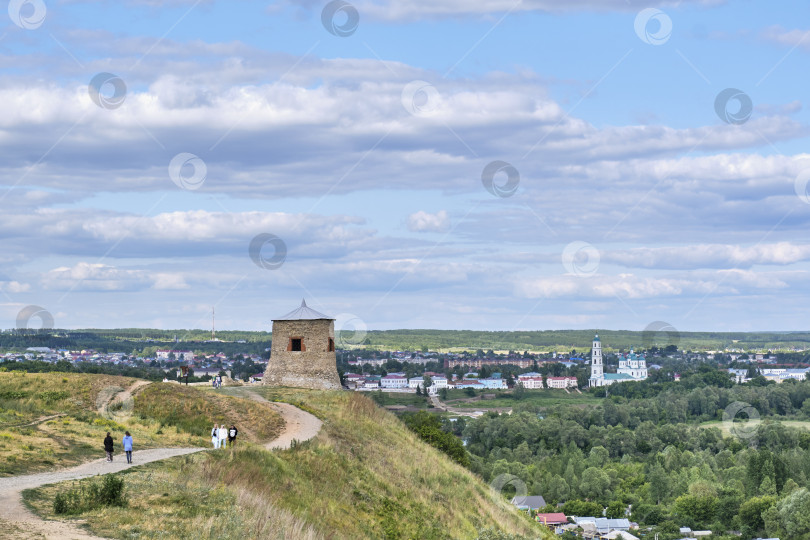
(315, 367)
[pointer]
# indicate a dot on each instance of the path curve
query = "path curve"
(12, 508)
(299, 425)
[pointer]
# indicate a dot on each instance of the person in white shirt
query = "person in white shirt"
(215, 436)
(223, 436)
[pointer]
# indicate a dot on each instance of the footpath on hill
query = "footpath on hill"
(300, 425)
(16, 521)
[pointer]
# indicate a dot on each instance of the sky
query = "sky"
(447, 164)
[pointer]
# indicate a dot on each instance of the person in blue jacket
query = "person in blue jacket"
(128, 446)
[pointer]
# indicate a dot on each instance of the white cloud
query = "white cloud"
(14, 286)
(422, 221)
(787, 38)
(102, 277)
(709, 256)
(390, 10)
(634, 287)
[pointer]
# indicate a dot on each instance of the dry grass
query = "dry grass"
(195, 410)
(28, 444)
(76, 435)
(172, 500)
(365, 476)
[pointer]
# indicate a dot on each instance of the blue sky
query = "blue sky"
(635, 198)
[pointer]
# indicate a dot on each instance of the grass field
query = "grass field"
(161, 415)
(540, 398)
(365, 476)
(396, 398)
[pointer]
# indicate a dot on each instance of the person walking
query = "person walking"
(223, 436)
(108, 447)
(215, 436)
(232, 434)
(127, 442)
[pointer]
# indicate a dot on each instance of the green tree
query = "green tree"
(659, 483)
(793, 514)
(751, 513)
(615, 510)
(701, 508)
(598, 456)
(429, 428)
(556, 489)
(594, 483)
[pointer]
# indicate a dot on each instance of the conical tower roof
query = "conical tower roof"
(303, 312)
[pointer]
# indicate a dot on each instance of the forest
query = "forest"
(706, 454)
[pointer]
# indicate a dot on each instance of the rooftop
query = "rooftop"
(303, 312)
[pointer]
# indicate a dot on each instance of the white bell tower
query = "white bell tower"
(597, 373)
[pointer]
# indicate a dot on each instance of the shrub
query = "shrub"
(91, 495)
(429, 429)
(51, 395)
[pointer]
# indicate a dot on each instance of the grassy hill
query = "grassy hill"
(364, 476)
(50, 420)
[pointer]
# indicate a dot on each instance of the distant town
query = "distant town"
(424, 371)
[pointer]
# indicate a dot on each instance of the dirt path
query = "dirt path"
(35, 422)
(300, 425)
(16, 521)
(472, 413)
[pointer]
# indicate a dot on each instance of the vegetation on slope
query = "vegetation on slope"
(192, 410)
(366, 475)
(52, 420)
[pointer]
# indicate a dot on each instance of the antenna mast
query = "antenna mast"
(212, 323)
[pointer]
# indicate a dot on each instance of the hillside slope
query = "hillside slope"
(365, 476)
(56, 420)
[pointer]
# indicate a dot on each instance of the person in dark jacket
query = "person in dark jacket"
(108, 447)
(232, 435)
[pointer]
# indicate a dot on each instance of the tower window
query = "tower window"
(296, 344)
(331, 345)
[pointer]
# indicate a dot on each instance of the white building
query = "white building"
(632, 367)
(394, 381)
(186, 356)
(531, 381)
(493, 384)
(597, 369)
(436, 382)
(561, 382)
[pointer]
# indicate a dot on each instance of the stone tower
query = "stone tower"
(303, 351)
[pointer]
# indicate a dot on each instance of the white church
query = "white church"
(632, 367)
